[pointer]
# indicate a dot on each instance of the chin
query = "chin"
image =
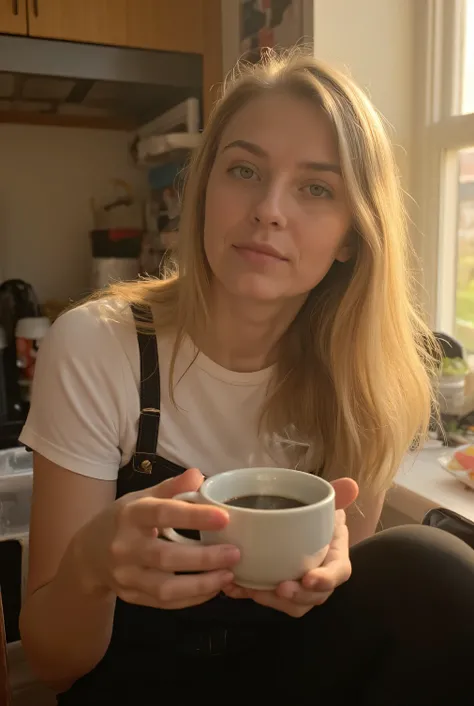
(254, 287)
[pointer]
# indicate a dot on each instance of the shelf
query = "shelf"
(171, 136)
(15, 534)
(160, 149)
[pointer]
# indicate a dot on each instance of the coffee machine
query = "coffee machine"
(17, 301)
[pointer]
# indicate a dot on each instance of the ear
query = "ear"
(345, 253)
(348, 247)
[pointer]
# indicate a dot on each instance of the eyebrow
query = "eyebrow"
(259, 152)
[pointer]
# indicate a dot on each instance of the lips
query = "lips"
(260, 249)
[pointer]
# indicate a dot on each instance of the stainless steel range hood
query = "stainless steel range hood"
(56, 82)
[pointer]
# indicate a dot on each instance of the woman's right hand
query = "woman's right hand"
(120, 550)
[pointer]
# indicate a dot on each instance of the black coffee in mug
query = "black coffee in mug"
(264, 502)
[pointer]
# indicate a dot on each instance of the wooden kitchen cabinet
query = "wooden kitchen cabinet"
(188, 26)
(168, 25)
(90, 21)
(193, 26)
(13, 17)
(165, 25)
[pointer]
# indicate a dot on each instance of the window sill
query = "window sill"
(421, 484)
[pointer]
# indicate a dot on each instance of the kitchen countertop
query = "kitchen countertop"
(421, 484)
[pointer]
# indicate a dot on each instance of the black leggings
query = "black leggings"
(400, 632)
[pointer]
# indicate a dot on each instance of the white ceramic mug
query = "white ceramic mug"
(275, 545)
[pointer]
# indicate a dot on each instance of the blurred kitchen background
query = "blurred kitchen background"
(99, 113)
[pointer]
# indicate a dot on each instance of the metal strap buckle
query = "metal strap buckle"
(150, 410)
(143, 462)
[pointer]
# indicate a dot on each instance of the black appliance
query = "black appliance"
(17, 301)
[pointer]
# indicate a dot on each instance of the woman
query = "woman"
(287, 336)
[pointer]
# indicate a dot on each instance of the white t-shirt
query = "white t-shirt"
(85, 401)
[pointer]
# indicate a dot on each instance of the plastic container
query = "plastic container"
(15, 462)
(451, 394)
(29, 333)
(15, 508)
(16, 485)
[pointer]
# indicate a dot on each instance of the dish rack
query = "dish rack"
(16, 485)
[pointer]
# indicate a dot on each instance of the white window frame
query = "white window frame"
(439, 134)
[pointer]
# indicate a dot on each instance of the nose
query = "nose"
(269, 209)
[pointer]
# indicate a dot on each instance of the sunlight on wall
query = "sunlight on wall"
(468, 61)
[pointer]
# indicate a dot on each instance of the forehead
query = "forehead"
(287, 127)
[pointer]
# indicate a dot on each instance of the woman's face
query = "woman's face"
(277, 213)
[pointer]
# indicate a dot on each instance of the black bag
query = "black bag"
(451, 522)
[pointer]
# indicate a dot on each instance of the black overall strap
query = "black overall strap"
(149, 420)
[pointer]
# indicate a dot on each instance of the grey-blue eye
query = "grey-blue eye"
(243, 172)
(318, 191)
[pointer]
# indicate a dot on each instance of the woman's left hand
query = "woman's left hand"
(298, 597)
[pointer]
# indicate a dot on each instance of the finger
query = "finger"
(171, 557)
(150, 602)
(288, 589)
(336, 567)
(346, 491)
(328, 577)
(185, 482)
(166, 588)
(308, 598)
(297, 595)
(149, 512)
(294, 591)
(271, 600)
(171, 588)
(236, 592)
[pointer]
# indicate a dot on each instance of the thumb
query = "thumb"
(189, 480)
(346, 491)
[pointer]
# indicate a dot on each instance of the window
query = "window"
(445, 182)
(467, 100)
(464, 314)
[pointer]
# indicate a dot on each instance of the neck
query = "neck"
(243, 335)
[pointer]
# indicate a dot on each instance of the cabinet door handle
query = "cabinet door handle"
(35, 8)
(15, 7)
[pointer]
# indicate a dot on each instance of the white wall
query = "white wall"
(374, 39)
(47, 176)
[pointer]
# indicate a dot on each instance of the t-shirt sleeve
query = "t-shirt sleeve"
(75, 413)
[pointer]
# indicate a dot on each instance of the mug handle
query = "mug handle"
(193, 496)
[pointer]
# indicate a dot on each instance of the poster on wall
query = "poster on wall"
(269, 23)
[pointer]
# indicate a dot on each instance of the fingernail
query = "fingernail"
(230, 553)
(228, 588)
(288, 592)
(227, 577)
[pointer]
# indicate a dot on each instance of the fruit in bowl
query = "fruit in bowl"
(460, 464)
(463, 460)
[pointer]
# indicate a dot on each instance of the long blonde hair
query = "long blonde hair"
(355, 367)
